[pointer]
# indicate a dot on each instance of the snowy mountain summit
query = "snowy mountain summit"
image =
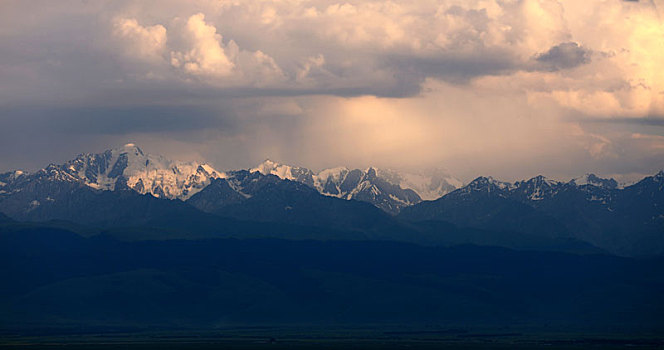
(540, 189)
(127, 167)
(387, 189)
(592, 179)
(286, 172)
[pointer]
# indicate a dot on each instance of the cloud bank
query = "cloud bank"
(508, 87)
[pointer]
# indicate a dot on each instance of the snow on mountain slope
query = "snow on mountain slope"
(126, 167)
(428, 184)
(485, 185)
(328, 181)
(540, 188)
(145, 173)
(286, 172)
(9, 177)
(592, 179)
(386, 189)
(537, 188)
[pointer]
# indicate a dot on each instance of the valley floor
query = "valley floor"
(331, 338)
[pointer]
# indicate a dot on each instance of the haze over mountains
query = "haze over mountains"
(129, 167)
(128, 187)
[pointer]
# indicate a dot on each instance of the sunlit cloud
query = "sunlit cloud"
(483, 86)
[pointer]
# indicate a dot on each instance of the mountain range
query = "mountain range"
(126, 187)
(121, 168)
(128, 167)
(386, 189)
(624, 221)
(127, 239)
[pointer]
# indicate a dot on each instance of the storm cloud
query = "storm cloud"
(326, 83)
(564, 56)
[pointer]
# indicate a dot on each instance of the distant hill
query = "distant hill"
(267, 198)
(55, 278)
(625, 221)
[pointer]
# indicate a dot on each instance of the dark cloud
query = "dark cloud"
(654, 120)
(71, 81)
(114, 120)
(564, 56)
(32, 137)
(411, 71)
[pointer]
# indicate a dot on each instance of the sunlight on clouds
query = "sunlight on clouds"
(380, 125)
(630, 39)
(652, 142)
(143, 42)
(647, 52)
(448, 125)
(310, 65)
(600, 58)
(199, 51)
(206, 55)
(366, 23)
(473, 84)
(544, 25)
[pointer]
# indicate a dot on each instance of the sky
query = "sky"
(506, 88)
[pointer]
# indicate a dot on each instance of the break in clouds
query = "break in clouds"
(508, 88)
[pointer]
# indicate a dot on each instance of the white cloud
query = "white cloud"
(605, 55)
(206, 56)
(142, 42)
(198, 51)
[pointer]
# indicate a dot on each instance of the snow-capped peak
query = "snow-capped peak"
(268, 167)
(539, 181)
(286, 172)
(130, 148)
(538, 188)
(387, 189)
(332, 176)
(592, 179)
(129, 167)
(660, 175)
(484, 182)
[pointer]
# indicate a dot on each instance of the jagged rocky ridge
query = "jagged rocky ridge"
(128, 167)
(387, 189)
(626, 221)
(252, 196)
(623, 220)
